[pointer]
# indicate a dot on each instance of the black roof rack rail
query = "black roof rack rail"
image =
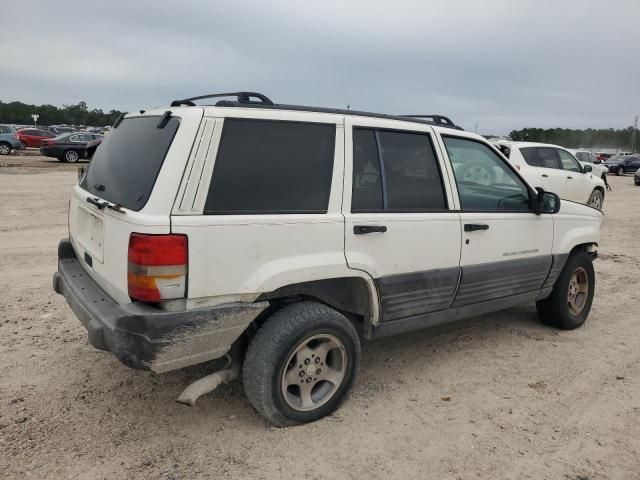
(243, 98)
(244, 101)
(439, 119)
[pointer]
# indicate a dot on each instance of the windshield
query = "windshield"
(125, 167)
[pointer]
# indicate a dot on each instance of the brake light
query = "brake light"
(157, 267)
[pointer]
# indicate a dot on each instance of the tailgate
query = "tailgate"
(137, 169)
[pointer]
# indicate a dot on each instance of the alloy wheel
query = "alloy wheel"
(578, 291)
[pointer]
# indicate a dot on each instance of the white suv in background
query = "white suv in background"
(283, 236)
(556, 170)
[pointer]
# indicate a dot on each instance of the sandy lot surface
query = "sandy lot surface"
(498, 396)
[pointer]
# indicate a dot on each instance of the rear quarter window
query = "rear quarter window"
(125, 167)
(266, 166)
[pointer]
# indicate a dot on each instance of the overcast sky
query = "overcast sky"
(502, 64)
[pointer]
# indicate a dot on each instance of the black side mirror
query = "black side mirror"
(546, 202)
(587, 168)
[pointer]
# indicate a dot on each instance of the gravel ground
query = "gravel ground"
(498, 396)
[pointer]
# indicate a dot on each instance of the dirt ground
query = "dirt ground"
(498, 396)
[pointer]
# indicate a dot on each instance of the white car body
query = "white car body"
(238, 262)
(567, 178)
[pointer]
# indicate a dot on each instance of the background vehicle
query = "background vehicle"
(555, 169)
(187, 242)
(602, 156)
(8, 140)
(623, 163)
(636, 178)
(69, 147)
(31, 137)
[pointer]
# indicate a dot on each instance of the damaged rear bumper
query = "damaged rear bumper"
(142, 336)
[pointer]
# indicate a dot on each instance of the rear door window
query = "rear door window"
(395, 171)
(548, 157)
(266, 166)
(530, 155)
(125, 167)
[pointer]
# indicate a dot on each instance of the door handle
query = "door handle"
(545, 175)
(472, 227)
(364, 229)
(570, 178)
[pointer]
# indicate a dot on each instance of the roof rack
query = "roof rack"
(439, 119)
(243, 98)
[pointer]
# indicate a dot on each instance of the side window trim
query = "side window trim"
(432, 140)
(502, 159)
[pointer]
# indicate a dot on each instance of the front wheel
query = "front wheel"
(71, 156)
(301, 364)
(570, 301)
(5, 148)
(620, 172)
(596, 199)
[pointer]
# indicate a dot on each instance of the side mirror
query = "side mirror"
(546, 202)
(587, 168)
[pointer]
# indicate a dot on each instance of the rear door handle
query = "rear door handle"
(364, 229)
(545, 175)
(472, 227)
(570, 178)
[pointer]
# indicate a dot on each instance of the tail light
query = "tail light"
(15, 135)
(157, 267)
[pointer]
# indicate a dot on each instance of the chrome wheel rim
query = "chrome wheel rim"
(620, 171)
(4, 150)
(314, 371)
(596, 202)
(71, 156)
(578, 291)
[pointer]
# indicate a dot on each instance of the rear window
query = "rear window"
(266, 166)
(125, 167)
(530, 155)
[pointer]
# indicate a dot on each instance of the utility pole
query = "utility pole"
(476, 130)
(633, 135)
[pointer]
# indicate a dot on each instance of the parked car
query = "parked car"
(6, 128)
(622, 163)
(602, 156)
(69, 147)
(636, 177)
(91, 147)
(281, 236)
(556, 170)
(8, 140)
(32, 137)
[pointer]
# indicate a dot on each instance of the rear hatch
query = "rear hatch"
(128, 187)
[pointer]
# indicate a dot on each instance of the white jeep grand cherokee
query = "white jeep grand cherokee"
(281, 236)
(556, 170)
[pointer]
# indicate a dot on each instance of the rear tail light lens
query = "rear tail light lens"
(157, 267)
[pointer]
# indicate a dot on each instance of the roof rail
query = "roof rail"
(243, 97)
(439, 119)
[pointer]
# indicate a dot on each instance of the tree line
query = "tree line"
(571, 138)
(20, 113)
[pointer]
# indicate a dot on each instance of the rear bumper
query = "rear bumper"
(142, 336)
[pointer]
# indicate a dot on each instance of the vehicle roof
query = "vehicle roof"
(512, 144)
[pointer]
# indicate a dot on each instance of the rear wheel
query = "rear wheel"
(301, 364)
(570, 301)
(620, 171)
(71, 156)
(596, 199)
(5, 148)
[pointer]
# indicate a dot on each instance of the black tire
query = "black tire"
(267, 361)
(555, 310)
(71, 156)
(596, 199)
(5, 148)
(620, 172)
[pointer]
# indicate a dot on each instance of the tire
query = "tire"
(620, 172)
(23, 145)
(5, 148)
(557, 309)
(284, 350)
(596, 199)
(70, 156)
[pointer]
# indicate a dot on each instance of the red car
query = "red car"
(32, 137)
